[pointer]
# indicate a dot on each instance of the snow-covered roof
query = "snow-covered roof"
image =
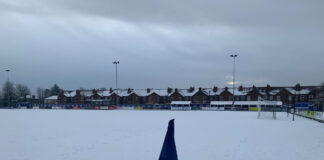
(274, 92)
(302, 91)
(183, 92)
(209, 91)
(161, 92)
(262, 92)
(86, 93)
(237, 92)
(104, 93)
(69, 93)
(142, 92)
(52, 98)
(181, 102)
(122, 92)
(187, 93)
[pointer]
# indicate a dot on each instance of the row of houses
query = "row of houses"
(288, 95)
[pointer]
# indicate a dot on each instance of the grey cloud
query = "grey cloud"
(161, 43)
(231, 12)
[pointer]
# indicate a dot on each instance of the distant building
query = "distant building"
(288, 95)
(51, 100)
(31, 99)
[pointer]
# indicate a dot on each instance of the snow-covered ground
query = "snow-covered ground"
(139, 135)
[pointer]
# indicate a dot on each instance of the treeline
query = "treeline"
(11, 93)
(43, 93)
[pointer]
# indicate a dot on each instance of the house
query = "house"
(288, 95)
(51, 100)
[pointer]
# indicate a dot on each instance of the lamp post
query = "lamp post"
(233, 56)
(295, 99)
(8, 71)
(116, 63)
(209, 98)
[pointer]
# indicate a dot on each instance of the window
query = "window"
(265, 97)
(310, 97)
(259, 98)
(242, 98)
(271, 98)
(237, 98)
(302, 97)
(221, 98)
(249, 98)
(289, 98)
(278, 98)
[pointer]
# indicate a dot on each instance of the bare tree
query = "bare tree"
(1, 101)
(8, 93)
(40, 93)
(22, 90)
(321, 91)
(47, 93)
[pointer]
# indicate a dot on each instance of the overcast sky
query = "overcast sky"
(161, 43)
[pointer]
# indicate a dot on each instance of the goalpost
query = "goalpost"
(268, 109)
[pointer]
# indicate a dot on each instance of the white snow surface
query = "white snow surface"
(139, 135)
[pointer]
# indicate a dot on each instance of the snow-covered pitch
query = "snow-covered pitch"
(139, 135)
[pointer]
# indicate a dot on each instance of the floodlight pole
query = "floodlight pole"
(8, 73)
(209, 98)
(294, 107)
(116, 63)
(233, 56)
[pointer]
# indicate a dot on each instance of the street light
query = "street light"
(8, 71)
(116, 63)
(233, 56)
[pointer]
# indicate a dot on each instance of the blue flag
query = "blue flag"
(169, 151)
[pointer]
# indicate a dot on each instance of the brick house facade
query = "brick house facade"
(200, 97)
(288, 95)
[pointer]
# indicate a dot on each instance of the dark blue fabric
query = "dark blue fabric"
(169, 151)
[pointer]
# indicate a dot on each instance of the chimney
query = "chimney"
(129, 90)
(94, 91)
(191, 89)
(297, 87)
(268, 87)
(226, 88)
(241, 88)
(215, 89)
(110, 90)
(78, 93)
(148, 90)
(169, 90)
(199, 88)
(176, 90)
